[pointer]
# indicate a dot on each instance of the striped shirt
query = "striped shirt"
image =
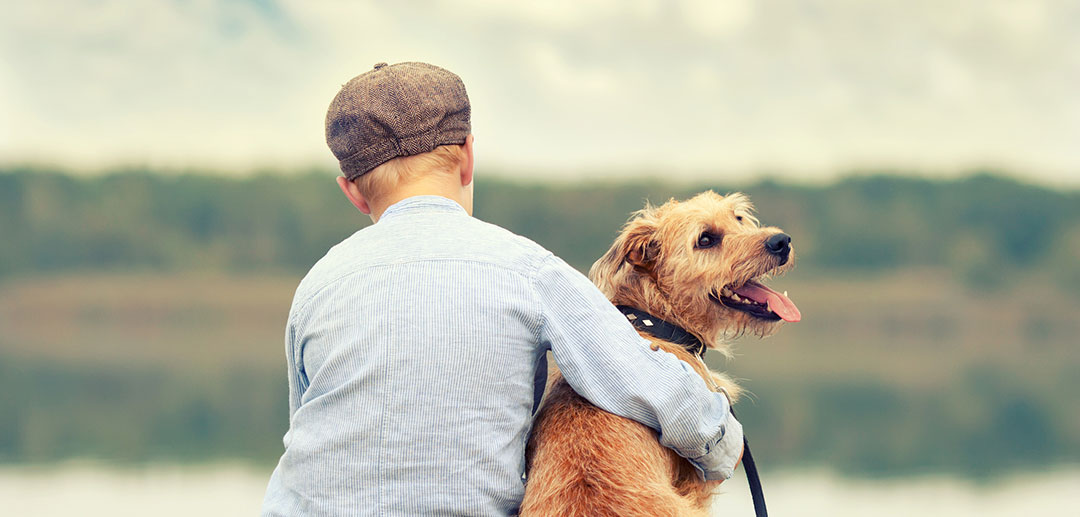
(413, 348)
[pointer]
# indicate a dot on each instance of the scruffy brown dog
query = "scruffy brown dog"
(697, 264)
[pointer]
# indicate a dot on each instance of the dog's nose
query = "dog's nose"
(779, 245)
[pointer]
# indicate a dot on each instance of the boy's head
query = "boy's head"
(402, 130)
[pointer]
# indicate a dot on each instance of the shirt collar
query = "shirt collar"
(423, 204)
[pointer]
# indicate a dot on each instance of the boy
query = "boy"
(415, 346)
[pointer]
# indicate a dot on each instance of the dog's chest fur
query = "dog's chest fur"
(580, 437)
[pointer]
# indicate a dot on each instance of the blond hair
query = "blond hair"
(388, 176)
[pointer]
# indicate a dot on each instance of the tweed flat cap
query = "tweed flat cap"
(395, 110)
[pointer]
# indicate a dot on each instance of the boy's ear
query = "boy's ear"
(466, 169)
(352, 192)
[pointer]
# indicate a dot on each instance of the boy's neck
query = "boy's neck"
(456, 193)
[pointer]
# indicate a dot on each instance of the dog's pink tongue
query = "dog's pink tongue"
(776, 302)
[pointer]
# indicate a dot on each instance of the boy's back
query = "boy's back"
(413, 346)
(397, 338)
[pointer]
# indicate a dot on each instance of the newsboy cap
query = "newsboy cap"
(395, 110)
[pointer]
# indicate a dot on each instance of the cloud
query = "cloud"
(564, 78)
(112, 80)
(713, 18)
(689, 87)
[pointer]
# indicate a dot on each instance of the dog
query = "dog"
(697, 264)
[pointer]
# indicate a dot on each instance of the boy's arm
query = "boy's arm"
(607, 362)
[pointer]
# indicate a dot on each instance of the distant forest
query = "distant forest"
(895, 369)
(981, 227)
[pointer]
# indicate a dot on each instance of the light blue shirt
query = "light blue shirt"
(412, 348)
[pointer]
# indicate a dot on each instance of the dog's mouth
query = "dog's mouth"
(759, 301)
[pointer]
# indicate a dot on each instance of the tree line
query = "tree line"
(982, 227)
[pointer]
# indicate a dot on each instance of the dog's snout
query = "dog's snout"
(779, 245)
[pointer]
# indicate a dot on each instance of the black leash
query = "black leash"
(673, 333)
(752, 477)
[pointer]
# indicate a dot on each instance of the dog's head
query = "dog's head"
(699, 263)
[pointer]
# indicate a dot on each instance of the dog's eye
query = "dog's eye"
(708, 240)
(738, 218)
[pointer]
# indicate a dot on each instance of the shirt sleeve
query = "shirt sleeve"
(294, 368)
(607, 362)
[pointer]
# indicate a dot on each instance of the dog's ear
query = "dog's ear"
(639, 247)
(636, 246)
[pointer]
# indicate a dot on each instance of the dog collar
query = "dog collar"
(661, 329)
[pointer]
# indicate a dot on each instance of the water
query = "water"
(822, 494)
(230, 490)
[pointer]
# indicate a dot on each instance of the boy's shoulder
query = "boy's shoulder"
(515, 243)
(486, 242)
(465, 239)
(444, 236)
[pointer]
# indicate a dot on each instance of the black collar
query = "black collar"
(661, 329)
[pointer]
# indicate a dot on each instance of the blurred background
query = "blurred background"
(164, 185)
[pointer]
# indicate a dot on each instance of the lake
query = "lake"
(91, 489)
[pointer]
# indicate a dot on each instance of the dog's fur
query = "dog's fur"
(583, 461)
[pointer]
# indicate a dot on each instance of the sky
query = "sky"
(560, 89)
